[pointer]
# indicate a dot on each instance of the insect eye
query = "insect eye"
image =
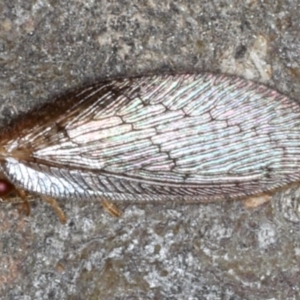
(5, 187)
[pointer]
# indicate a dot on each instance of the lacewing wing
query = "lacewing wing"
(185, 138)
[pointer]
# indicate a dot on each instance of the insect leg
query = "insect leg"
(56, 208)
(256, 201)
(111, 208)
(25, 206)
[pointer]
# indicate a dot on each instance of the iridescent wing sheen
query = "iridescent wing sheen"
(197, 137)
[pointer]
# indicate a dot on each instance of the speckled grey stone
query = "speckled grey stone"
(217, 251)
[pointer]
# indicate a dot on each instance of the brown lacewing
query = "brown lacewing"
(185, 138)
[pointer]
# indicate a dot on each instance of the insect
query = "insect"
(187, 138)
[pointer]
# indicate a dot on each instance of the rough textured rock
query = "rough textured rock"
(216, 251)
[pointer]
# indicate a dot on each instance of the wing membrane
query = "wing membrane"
(186, 131)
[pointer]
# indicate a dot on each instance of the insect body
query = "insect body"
(187, 138)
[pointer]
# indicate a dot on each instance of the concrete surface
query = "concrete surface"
(216, 251)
